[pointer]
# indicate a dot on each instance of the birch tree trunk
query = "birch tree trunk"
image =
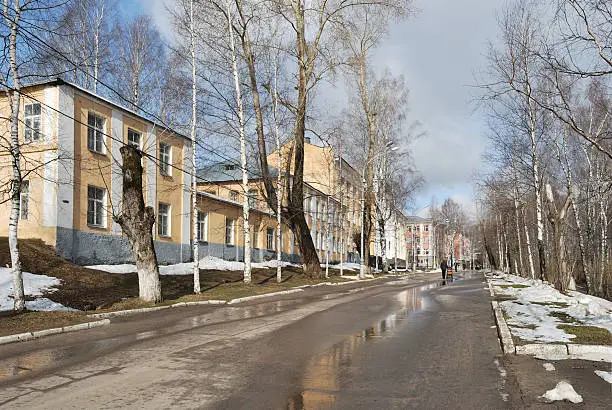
(561, 278)
(528, 244)
(243, 153)
(15, 150)
(194, 182)
(137, 222)
(279, 181)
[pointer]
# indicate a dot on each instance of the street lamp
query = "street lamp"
(390, 146)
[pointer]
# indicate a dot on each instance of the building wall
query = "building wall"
(61, 167)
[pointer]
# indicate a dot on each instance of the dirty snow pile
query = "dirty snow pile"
(539, 308)
(345, 266)
(208, 263)
(34, 285)
(563, 391)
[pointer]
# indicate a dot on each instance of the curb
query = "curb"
(22, 337)
(128, 312)
(265, 295)
(301, 288)
(503, 330)
(542, 350)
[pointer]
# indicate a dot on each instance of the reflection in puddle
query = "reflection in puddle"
(327, 374)
(48, 358)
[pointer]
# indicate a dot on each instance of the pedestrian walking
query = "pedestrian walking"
(444, 267)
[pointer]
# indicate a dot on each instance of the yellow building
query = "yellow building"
(73, 180)
(332, 210)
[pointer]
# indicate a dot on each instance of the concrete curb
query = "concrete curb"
(543, 350)
(128, 312)
(503, 330)
(22, 337)
(265, 295)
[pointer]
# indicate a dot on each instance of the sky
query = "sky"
(439, 51)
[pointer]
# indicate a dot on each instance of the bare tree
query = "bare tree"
(137, 221)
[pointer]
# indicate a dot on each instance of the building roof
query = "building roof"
(228, 171)
(59, 81)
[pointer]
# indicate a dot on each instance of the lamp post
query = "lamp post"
(390, 147)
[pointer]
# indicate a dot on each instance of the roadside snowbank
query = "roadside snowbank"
(208, 263)
(34, 285)
(563, 391)
(539, 308)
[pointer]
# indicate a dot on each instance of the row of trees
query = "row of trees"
(546, 207)
(249, 71)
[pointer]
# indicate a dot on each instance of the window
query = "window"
(270, 239)
(202, 227)
(32, 122)
(229, 231)
(134, 138)
(24, 200)
(163, 220)
(426, 228)
(233, 196)
(229, 167)
(253, 198)
(95, 133)
(165, 158)
(96, 206)
(255, 237)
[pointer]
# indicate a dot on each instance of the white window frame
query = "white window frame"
(167, 232)
(230, 223)
(202, 224)
(32, 123)
(233, 196)
(255, 243)
(99, 205)
(24, 200)
(96, 135)
(253, 198)
(270, 242)
(165, 159)
(132, 131)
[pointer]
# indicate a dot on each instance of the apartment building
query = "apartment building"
(421, 242)
(73, 180)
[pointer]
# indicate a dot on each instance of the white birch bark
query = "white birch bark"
(279, 184)
(327, 235)
(96, 34)
(243, 153)
(194, 182)
(528, 244)
(15, 149)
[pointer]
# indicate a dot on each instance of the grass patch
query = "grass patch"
(31, 321)
(565, 318)
(588, 335)
(561, 305)
(227, 291)
(503, 298)
(516, 286)
(527, 326)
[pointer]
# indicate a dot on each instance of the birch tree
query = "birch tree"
(12, 13)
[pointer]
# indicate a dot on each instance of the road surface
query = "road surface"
(391, 343)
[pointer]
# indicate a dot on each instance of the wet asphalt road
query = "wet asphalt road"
(393, 343)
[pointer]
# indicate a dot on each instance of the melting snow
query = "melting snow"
(531, 315)
(549, 367)
(607, 376)
(34, 285)
(563, 391)
(208, 262)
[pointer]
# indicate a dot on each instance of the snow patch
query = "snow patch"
(563, 391)
(208, 263)
(531, 316)
(34, 285)
(549, 367)
(607, 376)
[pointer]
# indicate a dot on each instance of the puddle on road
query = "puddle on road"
(49, 358)
(326, 374)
